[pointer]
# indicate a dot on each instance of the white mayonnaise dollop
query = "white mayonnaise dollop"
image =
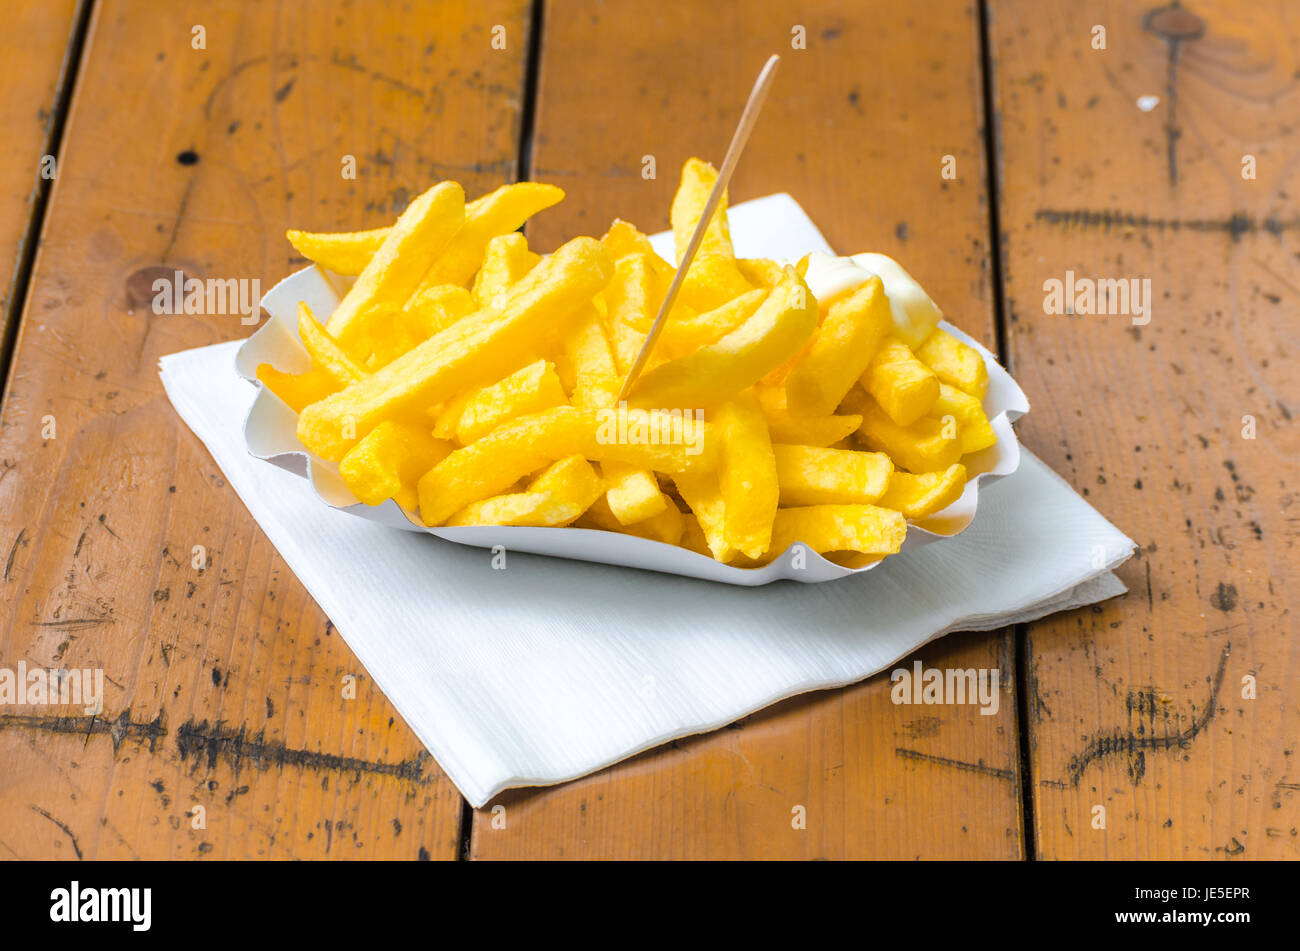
(915, 315)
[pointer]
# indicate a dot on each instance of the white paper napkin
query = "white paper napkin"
(548, 669)
(552, 669)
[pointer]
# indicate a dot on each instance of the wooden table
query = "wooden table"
(1174, 709)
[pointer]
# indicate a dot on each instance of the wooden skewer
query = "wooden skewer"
(748, 118)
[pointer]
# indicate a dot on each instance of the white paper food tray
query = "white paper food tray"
(270, 432)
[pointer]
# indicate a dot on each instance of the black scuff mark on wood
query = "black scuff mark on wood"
(1175, 26)
(13, 552)
(1234, 225)
(118, 729)
(1140, 737)
(210, 744)
(64, 826)
(979, 767)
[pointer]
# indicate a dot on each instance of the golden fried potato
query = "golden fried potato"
(809, 475)
(747, 475)
(701, 492)
(760, 272)
(556, 497)
(387, 463)
(394, 272)
(956, 363)
(922, 447)
(918, 496)
(297, 390)
(904, 387)
(685, 333)
(497, 213)
(346, 252)
(530, 390)
(436, 308)
(512, 450)
(324, 349)
(472, 352)
(777, 329)
(506, 260)
(844, 345)
(973, 428)
(868, 529)
(632, 492)
(667, 527)
(713, 278)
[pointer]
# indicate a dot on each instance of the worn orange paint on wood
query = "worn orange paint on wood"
(30, 77)
(856, 129)
(224, 683)
(1137, 706)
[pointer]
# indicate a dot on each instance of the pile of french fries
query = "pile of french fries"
(474, 382)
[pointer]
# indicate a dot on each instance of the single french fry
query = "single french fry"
(812, 476)
(778, 328)
(713, 278)
(496, 213)
(530, 390)
(436, 308)
(493, 463)
(632, 492)
(324, 349)
(505, 261)
(701, 492)
(793, 429)
(919, 496)
(957, 363)
(389, 461)
(346, 252)
(904, 387)
(747, 475)
(446, 418)
(393, 273)
(297, 390)
(842, 348)
(624, 238)
(697, 181)
(595, 375)
(973, 428)
(686, 333)
(924, 446)
(630, 296)
(761, 272)
(667, 527)
(557, 497)
(472, 352)
(810, 430)
(869, 529)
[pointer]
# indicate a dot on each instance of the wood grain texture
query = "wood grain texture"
(32, 75)
(856, 129)
(224, 684)
(1137, 705)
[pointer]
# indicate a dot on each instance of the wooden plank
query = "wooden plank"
(1137, 706)
(32, 83)
(856, 129)
(224, 683)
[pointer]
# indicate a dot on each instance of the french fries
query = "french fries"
(473, 381)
